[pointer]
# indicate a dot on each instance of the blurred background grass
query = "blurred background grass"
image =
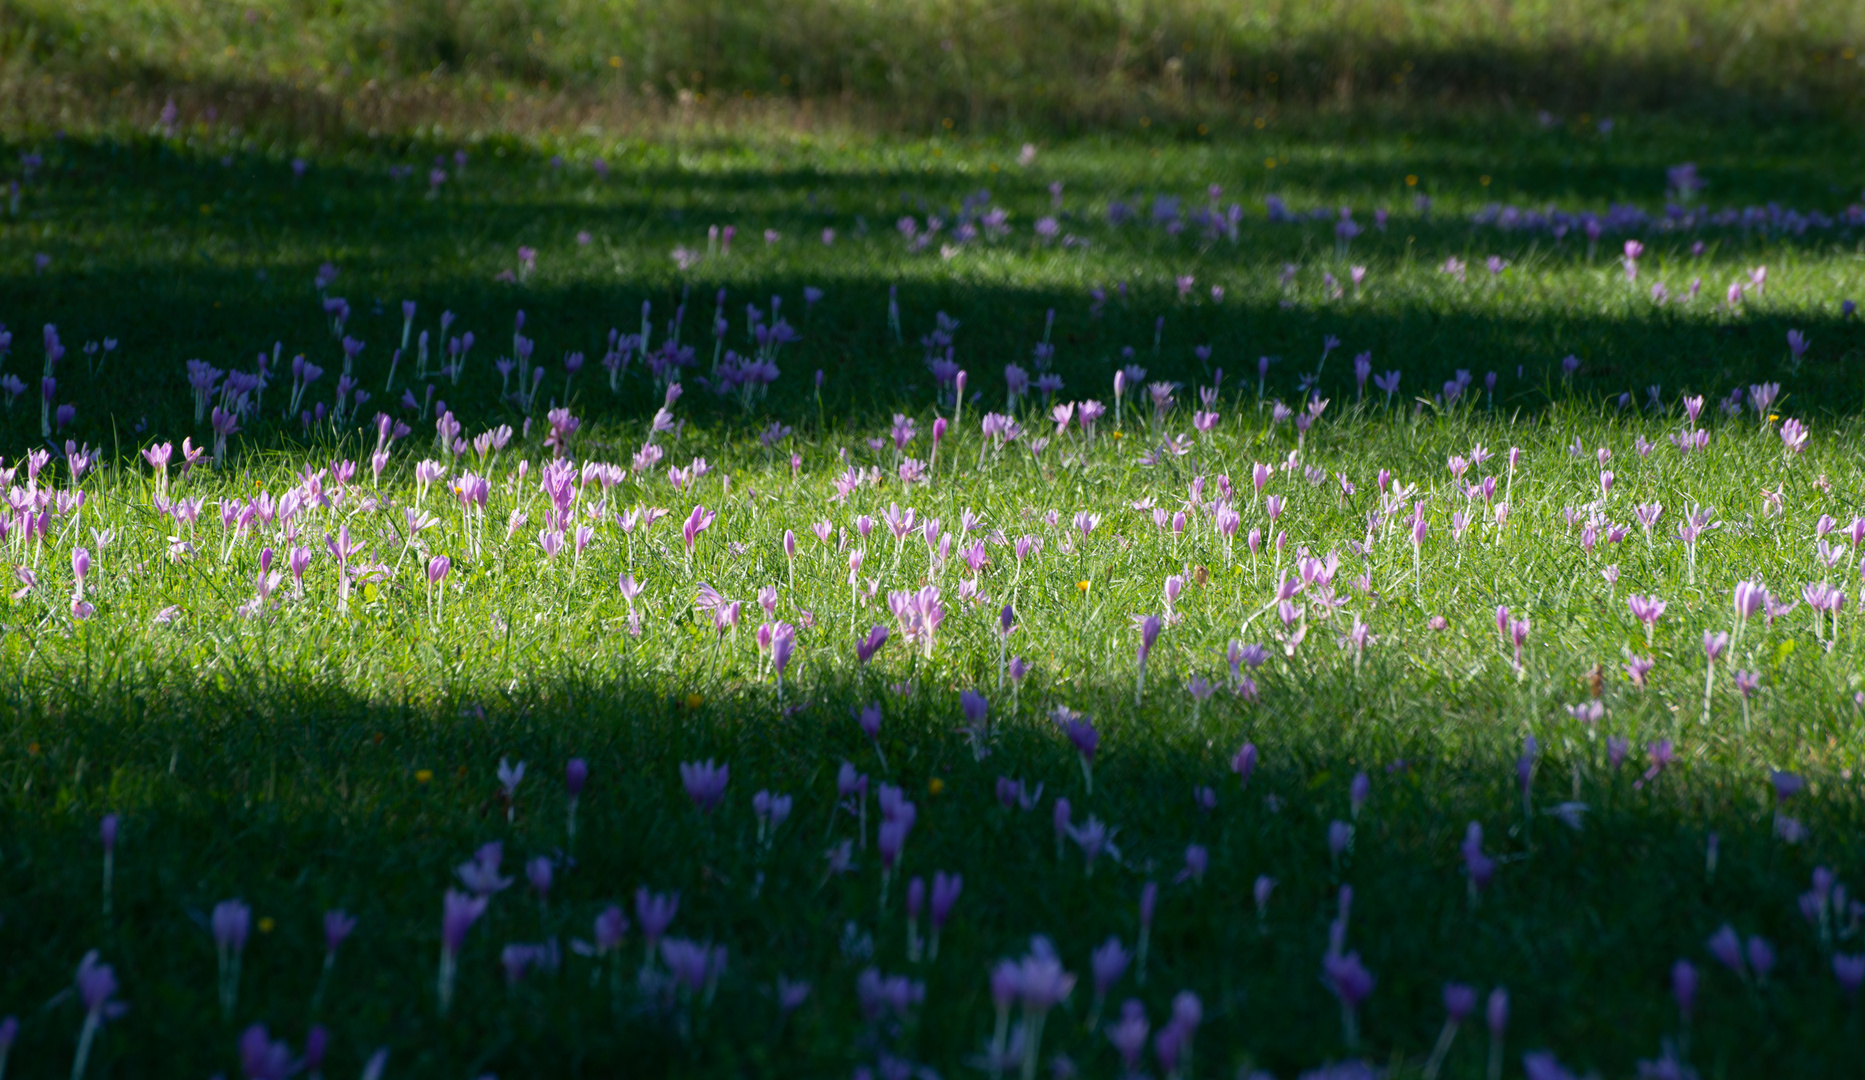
(349, 67)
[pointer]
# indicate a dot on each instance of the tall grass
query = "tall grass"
(1021, 61)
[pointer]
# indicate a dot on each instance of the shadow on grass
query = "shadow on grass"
(179, 257)
(298, 796)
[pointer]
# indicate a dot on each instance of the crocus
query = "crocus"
(1459, 1004)
(1081, 733)
(1042, 984)
(1149, 627)
(1108, 962)
(1243, 763)
(232, 922)
(1352, 984)
(97, 986)
(705, 783)
(1849, 970)
(945, 892)
(458, 913)
(1149, 901)
(575, 775)
(1496, 1013)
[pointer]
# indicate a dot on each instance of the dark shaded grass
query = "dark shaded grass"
(141, 261)
(299, 795)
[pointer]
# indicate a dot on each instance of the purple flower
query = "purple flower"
(1726, 946)
(1459, 1002)
(655, 912)
(1197, 861)
(575, 775)
(771, 810)
(1244, 763)
(107, 832)
(1042, 984)
(705, 783)
(611, 927)
(694, 965)
(1684, 986)
(480, 874)
(262, 1059)
(1081, 733)
(540, 872)
(871, 644)
(97, 985)
(316, 1042)
(1265, 885)
(1850, 971)
(791, 995)
(1357, 792)
(1760, 957)
(1340, 834)
(338, 926)
(1542, 1065)
(1128, 1035)
(1108, 963)
(945, 892)
(459, 912)
(1348, 978)
(1496, 1012)
(232, 922)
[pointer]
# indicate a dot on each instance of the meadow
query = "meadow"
(1338, 593)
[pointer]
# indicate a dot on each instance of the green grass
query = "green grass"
(309, 759)
(370, 64)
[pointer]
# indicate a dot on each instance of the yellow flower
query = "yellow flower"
(422, 776)
(694, 701)
(1082, 585)
(936, 786)
(1116, 434)
(267, 924)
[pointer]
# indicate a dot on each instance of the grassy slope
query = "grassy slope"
(278, 761)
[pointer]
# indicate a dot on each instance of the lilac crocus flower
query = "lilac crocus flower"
(1108, 963)
(1197, 861)
(705, 783)
(1042, 984)
(575, 775)
(1849, 970)
(1149, 627)
(655, 912)
(338, 926)
(1082, 734)
(263, 1059)
(1352, 984)
(1496, 1015)
(945, 892)
(459, 912)
(232, 923)
(1340, 838)
(1684, 988)
(480, 874)
(97, 987)
(1459, 1006)
(1243, 763)
(871, 644)
(1260, 892)
(1479, 866)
